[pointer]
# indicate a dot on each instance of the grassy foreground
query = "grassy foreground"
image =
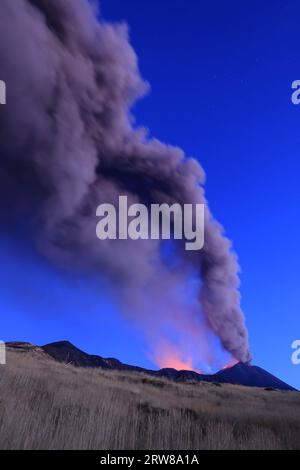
(47, 405)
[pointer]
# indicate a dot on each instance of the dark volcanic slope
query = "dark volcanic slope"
(64, 351)
(251, 376)
(241, 374)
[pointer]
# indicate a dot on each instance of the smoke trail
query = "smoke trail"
(68, 144)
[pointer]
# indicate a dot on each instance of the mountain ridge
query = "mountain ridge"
(240, 374)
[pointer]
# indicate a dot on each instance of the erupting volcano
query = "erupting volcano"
(68, 144)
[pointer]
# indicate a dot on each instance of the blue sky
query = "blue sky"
(220, 75)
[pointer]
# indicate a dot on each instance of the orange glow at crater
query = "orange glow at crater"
(233, 362)
(170, 357)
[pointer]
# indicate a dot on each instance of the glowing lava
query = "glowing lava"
(233, 362)
(169, 356)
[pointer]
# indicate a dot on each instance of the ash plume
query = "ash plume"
(68, 143)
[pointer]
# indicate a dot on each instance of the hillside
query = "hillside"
(240, 374)
(50, 405)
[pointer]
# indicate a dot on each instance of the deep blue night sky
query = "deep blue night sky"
(220, 75)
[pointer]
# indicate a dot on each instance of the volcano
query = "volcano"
(240, 374)
(251, 376)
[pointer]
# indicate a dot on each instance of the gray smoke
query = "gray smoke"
(68, 143)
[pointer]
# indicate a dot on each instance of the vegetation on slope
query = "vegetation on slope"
(48, 405)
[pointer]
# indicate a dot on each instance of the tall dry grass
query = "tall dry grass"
(46, 405)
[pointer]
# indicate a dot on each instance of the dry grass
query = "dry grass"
(46, 405)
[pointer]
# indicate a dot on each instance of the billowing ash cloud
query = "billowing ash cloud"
(68, 144)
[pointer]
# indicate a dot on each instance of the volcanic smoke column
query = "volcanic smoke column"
(67, 144)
